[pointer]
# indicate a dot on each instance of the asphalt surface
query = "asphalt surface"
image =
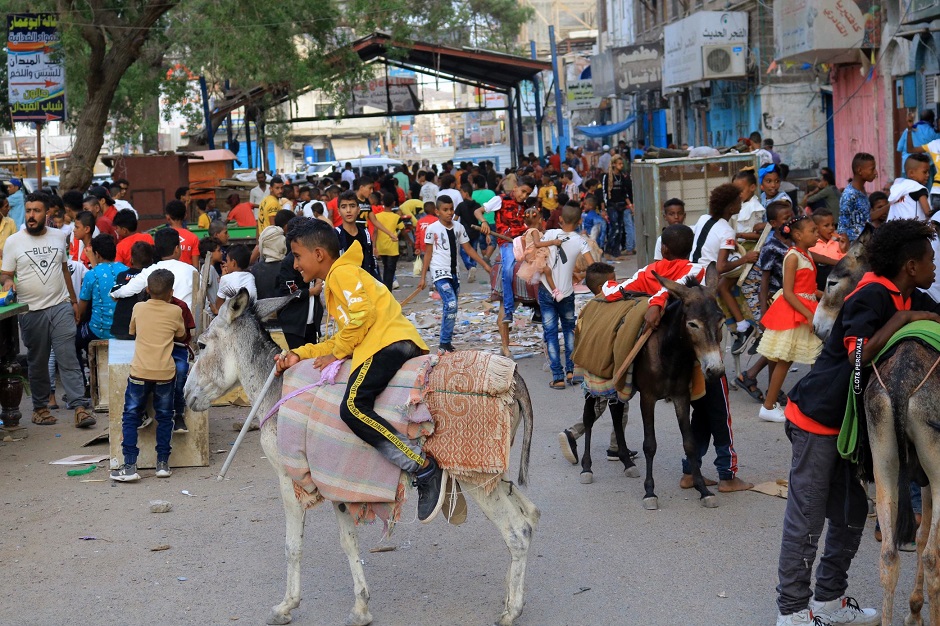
(597, 556)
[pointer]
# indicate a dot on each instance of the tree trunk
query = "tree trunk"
(89, 137)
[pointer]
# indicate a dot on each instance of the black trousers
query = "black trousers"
(389, 263)
(365, 384)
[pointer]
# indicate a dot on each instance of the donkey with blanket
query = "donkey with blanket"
(237, 350)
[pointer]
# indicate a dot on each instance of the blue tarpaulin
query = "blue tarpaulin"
(608, 129)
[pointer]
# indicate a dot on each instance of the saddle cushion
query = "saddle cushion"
(319, 451)
(605, 333)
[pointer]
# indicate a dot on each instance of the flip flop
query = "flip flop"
(749, 385)
(557, 384)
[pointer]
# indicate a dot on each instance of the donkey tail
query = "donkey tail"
(904, 525)
(524, 402)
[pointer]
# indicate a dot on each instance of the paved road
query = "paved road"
(598, 556)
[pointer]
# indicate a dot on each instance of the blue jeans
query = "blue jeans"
(467, 261)
(552, 311)
(448, 289)
(614, 229)
(508, 265)
(629, 231)
(135, 403)
(181, 360)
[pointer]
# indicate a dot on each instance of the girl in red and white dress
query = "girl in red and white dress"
(789, 336)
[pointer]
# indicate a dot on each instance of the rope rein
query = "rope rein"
(917, 388)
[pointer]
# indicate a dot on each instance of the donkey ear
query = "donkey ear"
(711, 280)
(238, 305)
(270, 306)
(866, 234)
(678, 290)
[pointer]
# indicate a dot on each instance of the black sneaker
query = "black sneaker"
(163, 469)
(612, 455)
(741, 340)
(127, 473)
(753, 349)
(569, 446)
(444, 348)
(430, 483)
(145, 422)
(179, 424)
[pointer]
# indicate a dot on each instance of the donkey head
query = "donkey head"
(231, 348)
(843, 279)
(701, 319)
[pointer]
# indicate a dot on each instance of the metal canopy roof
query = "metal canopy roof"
(495, 69)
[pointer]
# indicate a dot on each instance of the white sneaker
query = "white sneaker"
(845, 610)
(772, 415)
(395, 284)
(472, 274)
(803, 618)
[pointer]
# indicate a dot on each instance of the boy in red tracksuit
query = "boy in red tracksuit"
(711, 413)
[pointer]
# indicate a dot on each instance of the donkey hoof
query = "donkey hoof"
(651, 504)
(278, 618)
(587, 478)
(505, 620)
(910, 620)
(710, 502)
(632, 472)
(355, 619)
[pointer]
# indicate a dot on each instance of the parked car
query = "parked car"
(49, 183)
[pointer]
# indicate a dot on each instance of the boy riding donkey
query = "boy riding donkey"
(371, 331)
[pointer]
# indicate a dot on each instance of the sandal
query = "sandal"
(43, 417)
(557, 384)
(84, 419)
(569, 378)
(749, 385)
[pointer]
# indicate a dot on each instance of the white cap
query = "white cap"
(606, 147)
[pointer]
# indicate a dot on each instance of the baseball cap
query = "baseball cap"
(15, 181)
(101, 193)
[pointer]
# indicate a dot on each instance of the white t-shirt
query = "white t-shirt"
(184, 278)
(658, 252)
(429, 192)
(453, 194)
(78, 270)
(231, 284)
(752, 213)
(446, 241)
(306, 209)
(933, 151)
(120, 205)
(720, 237)
(903, 206)
(563, 261)
(349, 176)
(257, 194)
(36, 261)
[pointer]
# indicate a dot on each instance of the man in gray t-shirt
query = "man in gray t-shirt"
(36, 257)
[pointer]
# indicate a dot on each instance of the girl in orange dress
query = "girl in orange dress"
(789, 336)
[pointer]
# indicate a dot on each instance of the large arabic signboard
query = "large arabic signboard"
(35, 68)
(638, 68)
(400, 92)
(684, 40)
(826, 29)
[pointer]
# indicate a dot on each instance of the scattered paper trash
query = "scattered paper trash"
(722, 594)
(776, 488)
(160, 548)
(88, 538)
(80, 459)
(185, 492)
(160, 506)
(181, 578)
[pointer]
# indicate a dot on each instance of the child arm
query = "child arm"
(764, 292)
(473, 255)
(375, 222)
(924, 206)
(789, 277)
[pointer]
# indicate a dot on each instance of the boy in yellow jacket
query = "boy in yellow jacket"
(373, 333)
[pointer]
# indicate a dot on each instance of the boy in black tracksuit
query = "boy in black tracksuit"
(297, 323)
(822, 485)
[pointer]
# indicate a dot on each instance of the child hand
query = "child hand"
(423, 283)
(653, 316)
(486, 267)
(752, 256)
(322, 361)
(285, 362)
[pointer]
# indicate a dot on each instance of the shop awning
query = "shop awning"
(606, 130)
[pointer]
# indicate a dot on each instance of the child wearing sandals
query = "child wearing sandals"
(788, 321)
(769, 280)
(537, 254)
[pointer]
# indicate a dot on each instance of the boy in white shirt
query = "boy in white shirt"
(235, 276)
(166, 243)
(908, 195)
(570, 246)
(441, 240)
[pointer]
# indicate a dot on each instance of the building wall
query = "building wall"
(790, 114)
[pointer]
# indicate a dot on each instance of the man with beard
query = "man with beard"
(37, 257)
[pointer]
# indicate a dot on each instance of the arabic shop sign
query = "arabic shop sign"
(638, 68)
(826, 29)
(683, 42)
(35, 68)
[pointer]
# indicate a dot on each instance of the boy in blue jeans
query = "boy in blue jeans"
(569, 245)
(441, 241)
(156, 324)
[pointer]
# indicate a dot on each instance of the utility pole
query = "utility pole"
(562, 135)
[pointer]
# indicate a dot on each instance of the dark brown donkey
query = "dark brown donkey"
(688, 336)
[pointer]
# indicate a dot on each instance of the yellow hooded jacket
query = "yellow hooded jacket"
(368, 317)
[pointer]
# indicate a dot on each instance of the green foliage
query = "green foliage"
(289, 44)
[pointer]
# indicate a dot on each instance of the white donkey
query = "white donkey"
(237, 350)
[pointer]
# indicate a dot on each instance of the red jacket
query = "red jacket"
(644, 281)
(510, 218)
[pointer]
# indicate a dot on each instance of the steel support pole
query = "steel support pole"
(562, 135)
(538, 109)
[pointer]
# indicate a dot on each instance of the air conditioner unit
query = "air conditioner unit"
(931, 91)
(724, 61)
